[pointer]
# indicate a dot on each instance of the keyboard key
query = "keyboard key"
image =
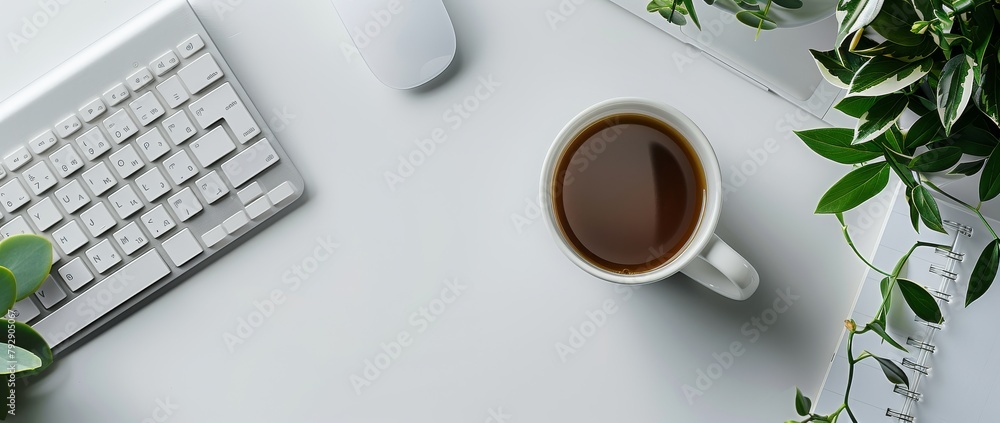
(173, 92)
(94, 109)
(93, 143)
(24, 311)
(249, 163)
(185, 204)
(70, 237)
(212, 187)
(164, 63)
(66, 161)
(68, 126)
(131, 238)
(258, 208)
(125, 201)
(18, 158)
(44, 214)
(180, 167)
(50, 294)
(152, 145)
(223, 103)
(43, 142)
(158, 222)
(139, 79)
(13, 195)
(16, 226)
(201, 73)
(152, 184)
(190, 46)
(99, 179)
(235, 222)
(126, 161)
(76, 274)
(147, 108)
(181, 248)
(179, 127)
(281, 193)
(103, 297)
(214, 236)
(116, 95)
(39, 178)
(212, 146)
(103, 256)
(250, 193)
(120, 126)
(72, 197)
(98, 219)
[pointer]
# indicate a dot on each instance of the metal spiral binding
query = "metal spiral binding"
(944, 273)
(943, 296)
(893, 413)
(962, 229)
(920, 345)
(917, 367)
(901, 390)
(949, 254)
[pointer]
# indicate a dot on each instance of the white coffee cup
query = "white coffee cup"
(704, 257)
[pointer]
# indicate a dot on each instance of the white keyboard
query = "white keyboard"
(139, 158)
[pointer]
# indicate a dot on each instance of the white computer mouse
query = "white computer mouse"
(406, 43)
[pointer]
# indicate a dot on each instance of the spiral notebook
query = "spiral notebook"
(953, 368)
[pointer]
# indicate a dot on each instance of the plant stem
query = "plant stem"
(966, 205)
(850, 242)
(850, 377)
(760, 26)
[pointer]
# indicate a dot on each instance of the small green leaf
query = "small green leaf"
(924, 131)
(883, 114)
(856, 187)
(989, 92)
(968, 169)
(984, 272)
(756, 19)
(928, 208)
(955, 90)
(689, 5)
(803, 405)
(835, 144)
(989, 182)
(884, 287)
(937, 160)
(789, 4)
(29, 258)
(877, 328)
(892, 372)
(8, 289)
(883, 75)
(914, 212)
(19, 360)
(856, 106)
(920, 301)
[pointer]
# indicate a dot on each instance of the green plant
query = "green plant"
(25, 262)
(937, 59)
(752, 14)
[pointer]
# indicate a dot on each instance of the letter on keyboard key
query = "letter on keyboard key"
(173, 92)
(69, 237)
(250, 162)
(103, 256)
(18, 158)
(212, 187)
(102, 298)
(50, 293)
(13, 195)
(200, 73)
(182, 247)
(68, 126)
(120, 126)
(43, 142)
(223, 103)
(24, 311)
(76, 274)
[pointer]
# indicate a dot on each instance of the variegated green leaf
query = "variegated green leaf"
(882, 75)
(883, 114)
(955, 89)
(854, 15)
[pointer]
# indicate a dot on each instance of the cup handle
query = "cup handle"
(720, 268)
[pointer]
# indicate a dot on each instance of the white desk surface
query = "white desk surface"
(495, 347)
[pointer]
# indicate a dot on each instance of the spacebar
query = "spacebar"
(102, 298)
